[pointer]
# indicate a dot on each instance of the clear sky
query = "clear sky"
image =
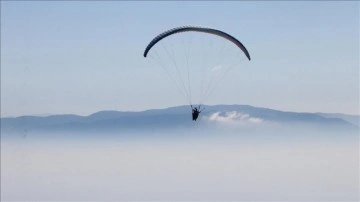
(80, 57)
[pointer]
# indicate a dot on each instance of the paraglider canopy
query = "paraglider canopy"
(196, 29)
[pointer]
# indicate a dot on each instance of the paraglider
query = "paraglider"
(195, 112)
(206, 48)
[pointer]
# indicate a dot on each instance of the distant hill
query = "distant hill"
(176, 117)
(354, 119)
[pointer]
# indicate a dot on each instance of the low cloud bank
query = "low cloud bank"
(234, 118)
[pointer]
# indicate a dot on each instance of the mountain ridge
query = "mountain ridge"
(177, 116)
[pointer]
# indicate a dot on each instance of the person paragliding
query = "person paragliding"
(195, 112)
(171, 60)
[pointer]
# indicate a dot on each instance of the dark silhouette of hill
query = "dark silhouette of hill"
(169, 118)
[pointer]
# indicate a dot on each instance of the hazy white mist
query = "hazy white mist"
(215, 167)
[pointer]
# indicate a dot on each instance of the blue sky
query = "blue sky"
(81, 57)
